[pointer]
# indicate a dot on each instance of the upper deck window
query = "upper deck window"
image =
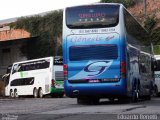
(94, 16)
(34, 65)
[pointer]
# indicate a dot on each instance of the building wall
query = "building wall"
(10, 42)
(13, 34)
(8, 55)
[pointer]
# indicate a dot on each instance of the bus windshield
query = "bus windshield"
(92, 16)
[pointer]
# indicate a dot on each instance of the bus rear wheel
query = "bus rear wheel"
(155, 91)
(83, 101)
(35, 93)
(40, 93)
(61, 95)
(135, 95)
(16, 93)
(111, 99)
(148, 97)
(11, 94)
(93, 101)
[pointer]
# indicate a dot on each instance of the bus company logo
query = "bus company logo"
(92, 69)
(97, 68)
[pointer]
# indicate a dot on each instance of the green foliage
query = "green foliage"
(155, 36)
(150, 23)
(59, 50)
(45, 31)
(126, 3)
(157, 50)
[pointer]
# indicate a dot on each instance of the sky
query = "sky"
(18, 8)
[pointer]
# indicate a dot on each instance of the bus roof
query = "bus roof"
(33, 60)
(157, 57)
(98, 4)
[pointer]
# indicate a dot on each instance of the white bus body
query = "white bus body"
(157, 73)
(32, 77)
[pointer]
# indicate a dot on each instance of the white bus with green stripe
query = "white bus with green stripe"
(36, 77)
(157, 75)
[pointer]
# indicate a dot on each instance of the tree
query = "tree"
(45, 31)
(126, 3)
(149, 23)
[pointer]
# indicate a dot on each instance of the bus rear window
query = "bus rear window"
(93, 52)
(95, 16)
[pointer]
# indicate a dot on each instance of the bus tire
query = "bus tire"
(111, 99)
(11, 93)
(155, 94)
(40, 93)
(92, 101)
(124, 99)
(148, 97)
(82, 101)
(35, 93)
(16, 93)
(95, 101)
(135, 95)
(61, 95)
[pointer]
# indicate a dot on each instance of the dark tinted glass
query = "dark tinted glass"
(58, 60)
(95, 16)
(35, 65)
(22, 81)
(93, 52)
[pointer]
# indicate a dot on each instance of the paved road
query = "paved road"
(67, 109)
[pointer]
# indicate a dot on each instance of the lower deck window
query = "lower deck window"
(22, 82)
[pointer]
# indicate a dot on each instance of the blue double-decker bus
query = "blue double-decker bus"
(107, 54)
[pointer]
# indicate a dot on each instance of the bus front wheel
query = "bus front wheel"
(35, 93)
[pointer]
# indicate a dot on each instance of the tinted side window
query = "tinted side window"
(22, 81)
(135, 30)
